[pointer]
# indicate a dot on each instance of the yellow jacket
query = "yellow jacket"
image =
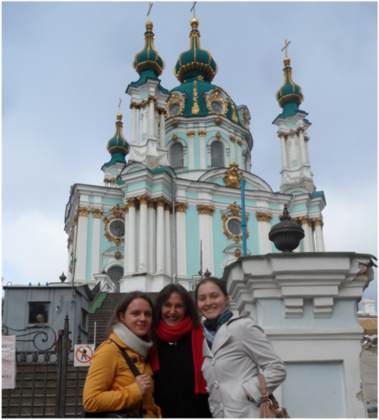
(111, 386)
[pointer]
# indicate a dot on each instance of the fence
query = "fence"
(47, 384)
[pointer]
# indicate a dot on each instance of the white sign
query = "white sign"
(83, 354)
(8, 371)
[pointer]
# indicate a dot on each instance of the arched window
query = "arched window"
(217, 154)
(176, 156)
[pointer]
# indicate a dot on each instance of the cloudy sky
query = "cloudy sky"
(66, 64)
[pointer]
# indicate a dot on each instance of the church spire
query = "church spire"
(117, 146)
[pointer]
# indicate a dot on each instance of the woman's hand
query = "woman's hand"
(144, 382)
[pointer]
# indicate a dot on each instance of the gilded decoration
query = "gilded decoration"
(144, 199)
(233, 176)
(237, 253)
(232, 138)
(195, 107)
(181, 207)
(174, 138)
(218, 135)
(97, 213)
(263, 216)
(245, 116)
(202, 132)
(161, 201)
(117, 212)
(234, 113)
(83, 211)
(205, 209)
(318, 222)
(130, 203)
(191, 133)
(232, 222)
(216, 102)
(175, 105)
(118, 255)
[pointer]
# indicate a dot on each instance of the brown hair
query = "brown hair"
(221, 284)
(124, 304)
(188, 302)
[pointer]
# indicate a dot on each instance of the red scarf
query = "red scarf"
(174, 333)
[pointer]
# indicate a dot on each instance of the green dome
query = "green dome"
(289, 95)
(198, 96)
(148, 59)
(117, 146)
(195, 62)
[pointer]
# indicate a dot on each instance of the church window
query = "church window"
(116, 228)
(176, 156)
(174, 109)
(38, 312)
(115, 273)
(234, 226)
(217, 154)
(217, 107)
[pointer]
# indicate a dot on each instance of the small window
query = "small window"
(38, 312)
(176, 156)
(217, 154)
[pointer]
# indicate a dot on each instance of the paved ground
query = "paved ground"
(369, 372)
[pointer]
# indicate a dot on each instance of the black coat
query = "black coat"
(174, 383)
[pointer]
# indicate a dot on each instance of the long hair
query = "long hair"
(124, 304)
(218, 282)
(188, 302)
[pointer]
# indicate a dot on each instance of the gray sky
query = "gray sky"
(66, 64)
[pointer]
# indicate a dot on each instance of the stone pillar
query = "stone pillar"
(143, 239)
(133, 125)
(284, 151)
(96, 214)
(306, 224)
(168, 241)
(206, 235)
(319, 237)
(303, 152)
(152, 237)
(151, 118)
(160, 245)
(162, 128)
(203, 152)
(181, 248)
(81, 245)
(191, 153)
(131, 236)
(126, 239)
(264, 226)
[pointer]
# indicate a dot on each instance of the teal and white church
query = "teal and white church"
(170, 204)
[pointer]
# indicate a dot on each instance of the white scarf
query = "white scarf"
(131, 340)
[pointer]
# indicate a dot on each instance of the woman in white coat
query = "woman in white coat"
(235, 351)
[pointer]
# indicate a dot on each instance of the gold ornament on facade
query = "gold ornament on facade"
(181, 207)
(205, 209)
(234, 113)
(233, 176)
(237, 252)
(232, 219)
(216, 102)
(218, 121)
(318, 222)
(232, 138)
(83, 211)
(191, 133)
(161, 201)
(174, 138)
(97, 213)
(118, 255)
(195, 107)
(143, 199)
(263, 216)
(218, 135)
(202, 132)
(117, 212)
(175, 105)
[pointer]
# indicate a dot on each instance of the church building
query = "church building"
(170, 206)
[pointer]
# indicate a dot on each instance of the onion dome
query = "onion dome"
(289, 95)
(117, 146)
(195, 62)
(148, 60)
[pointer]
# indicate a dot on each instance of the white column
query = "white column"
(142, 244)
(264, 227)
(133, 125)
(284, 152)
(202, 146)
(132, 237)
(308, 234)
(162, 129)
(181, 245)
(168, 241)
(302, 148)
(81, 245)
(151, 237)
(206, 236)
(319, 237)
(160, 237)
(191, 153)
(126, 240)
(151, 124)
(96, 214)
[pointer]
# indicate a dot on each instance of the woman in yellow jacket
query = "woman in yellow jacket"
(110, 384)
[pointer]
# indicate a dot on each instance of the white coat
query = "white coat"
(240, 349)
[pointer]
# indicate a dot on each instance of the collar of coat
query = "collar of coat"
(129, 339)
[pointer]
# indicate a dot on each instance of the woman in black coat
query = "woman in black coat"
(180, 389)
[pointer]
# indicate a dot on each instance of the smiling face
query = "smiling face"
(138, 317)
(211, 301)
(173, 310)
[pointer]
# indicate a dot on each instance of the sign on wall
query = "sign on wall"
(8, 372)
(83, 354)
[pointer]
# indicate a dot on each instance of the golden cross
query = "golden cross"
(193, 9)
(286, 43)
(150, 7)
